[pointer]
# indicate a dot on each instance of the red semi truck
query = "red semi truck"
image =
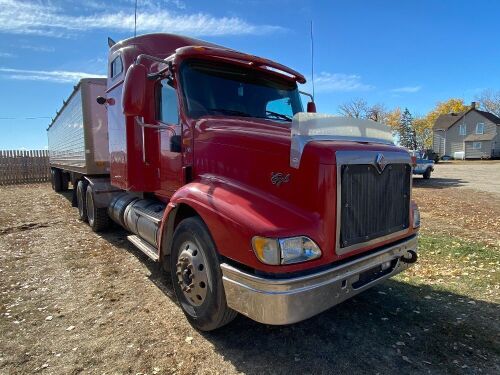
(206, 156)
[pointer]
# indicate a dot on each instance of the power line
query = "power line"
(25, 118)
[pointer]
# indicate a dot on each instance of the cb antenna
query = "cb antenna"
(312, 60)
(135, 19)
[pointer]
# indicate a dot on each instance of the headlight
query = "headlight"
(416, 217)
(285, 250)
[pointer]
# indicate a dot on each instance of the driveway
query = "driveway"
(477, 175)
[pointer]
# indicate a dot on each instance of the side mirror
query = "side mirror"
(311, 107)
(101, 100)
(134, 90)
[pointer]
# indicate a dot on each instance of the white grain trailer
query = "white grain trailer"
(78, 136)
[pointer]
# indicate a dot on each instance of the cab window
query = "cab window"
(116, 67)
(282, 105)
(167, 106)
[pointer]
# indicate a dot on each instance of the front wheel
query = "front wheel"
(197, 277)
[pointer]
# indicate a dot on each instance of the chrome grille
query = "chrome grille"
(373, 203)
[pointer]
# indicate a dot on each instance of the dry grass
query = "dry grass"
(72, 301)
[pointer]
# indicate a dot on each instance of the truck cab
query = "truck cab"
(253, 205)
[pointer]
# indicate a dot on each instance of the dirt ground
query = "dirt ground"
(72, 301)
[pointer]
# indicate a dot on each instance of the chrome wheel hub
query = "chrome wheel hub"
(191, 271)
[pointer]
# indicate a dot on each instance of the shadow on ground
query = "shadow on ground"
(393, 328)
(437, 183)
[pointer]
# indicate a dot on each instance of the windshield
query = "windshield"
(225, 89)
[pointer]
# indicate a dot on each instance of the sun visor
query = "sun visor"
(308, 127)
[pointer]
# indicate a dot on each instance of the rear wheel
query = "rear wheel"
(197, 278)
(427, 173)
(81, 189)
(98, 217)
(57, 179)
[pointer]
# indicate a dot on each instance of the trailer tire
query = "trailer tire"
(81, 189)
(56, 179)
(195, 264)
(427, 174)
(65, 181)
(97, 217)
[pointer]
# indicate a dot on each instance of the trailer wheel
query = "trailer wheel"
(197, 278)
(65, 181)
(427, 174)
(57, 179)
(98, 217)
(81, 188)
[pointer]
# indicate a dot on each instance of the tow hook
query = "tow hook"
(410, 257)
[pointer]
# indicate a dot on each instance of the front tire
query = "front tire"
(98, 217)
(197, 277)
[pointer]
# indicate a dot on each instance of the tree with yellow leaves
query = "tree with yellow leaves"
(423, 125)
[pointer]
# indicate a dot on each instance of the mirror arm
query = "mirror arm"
(307, 94)
(150, 126)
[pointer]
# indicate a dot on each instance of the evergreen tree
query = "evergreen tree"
(407, 134)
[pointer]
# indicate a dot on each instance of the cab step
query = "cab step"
(144, 246)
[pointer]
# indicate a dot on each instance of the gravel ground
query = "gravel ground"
(477, 175)
(72, 301)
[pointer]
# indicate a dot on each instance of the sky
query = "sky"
(409, 53)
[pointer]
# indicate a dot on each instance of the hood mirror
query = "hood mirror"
(311, 106)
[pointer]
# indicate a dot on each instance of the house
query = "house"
(472, 134)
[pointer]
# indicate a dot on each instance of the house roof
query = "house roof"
(444, 122)
(480, 137)
(490, 116)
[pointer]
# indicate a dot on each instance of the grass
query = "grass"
(457, 265)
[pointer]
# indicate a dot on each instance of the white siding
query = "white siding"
(483, 153)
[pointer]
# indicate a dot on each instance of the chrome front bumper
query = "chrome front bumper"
(290, 300)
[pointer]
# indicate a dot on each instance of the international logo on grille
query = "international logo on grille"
(380, 162)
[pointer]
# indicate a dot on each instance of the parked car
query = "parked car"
(422, 165)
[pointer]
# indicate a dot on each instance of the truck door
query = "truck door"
(170, 137)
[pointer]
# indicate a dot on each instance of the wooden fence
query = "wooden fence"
(23, 166)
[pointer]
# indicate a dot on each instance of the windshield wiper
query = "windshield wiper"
(280, 115)
(230, 112)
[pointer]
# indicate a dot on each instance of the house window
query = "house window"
(463, 129)
(476, 145)
(480, 128)
(116, 67)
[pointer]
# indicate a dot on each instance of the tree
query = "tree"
(489, 100)
(423, 133)
(357, 108)
(392, 118)
(454, 105)
(377, 112)
(407, 134)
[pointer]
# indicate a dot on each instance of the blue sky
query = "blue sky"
(399, 53)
